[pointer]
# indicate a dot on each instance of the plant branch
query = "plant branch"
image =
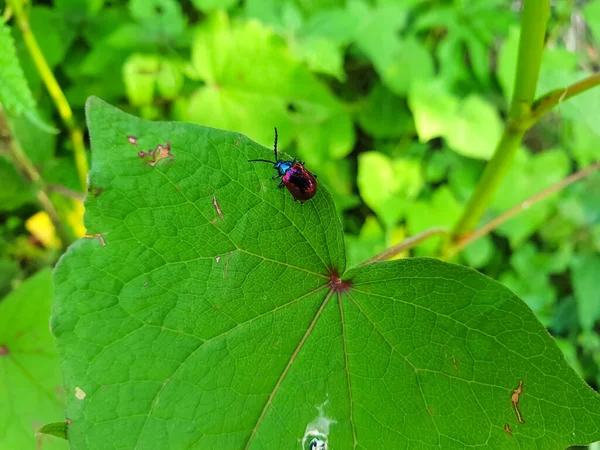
(66, 192)
(548, 101)
(525, 204)
(531, 45)
(28, 170)
(56, 93)
(406, 244)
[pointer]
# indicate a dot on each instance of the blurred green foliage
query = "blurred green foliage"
(395, 104)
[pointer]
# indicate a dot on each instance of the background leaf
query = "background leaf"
(30, 379)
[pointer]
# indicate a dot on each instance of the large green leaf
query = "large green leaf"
(30, 390)
(208, 314)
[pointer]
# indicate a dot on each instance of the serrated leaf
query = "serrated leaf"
(15, 94)
(206, 315)
(30, 391)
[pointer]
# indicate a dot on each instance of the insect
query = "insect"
(299, 182)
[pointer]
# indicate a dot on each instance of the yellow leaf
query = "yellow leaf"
(41, 227)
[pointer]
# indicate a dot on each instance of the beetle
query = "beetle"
(299, 182)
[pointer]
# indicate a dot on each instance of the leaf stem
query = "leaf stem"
(525, 204)
(29, 172)
(531, 45)
(548, 101)
(56, 93)
(406, 244)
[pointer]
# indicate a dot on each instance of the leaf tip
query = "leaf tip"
(58, 429)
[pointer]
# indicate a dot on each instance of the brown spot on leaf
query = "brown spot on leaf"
(237, 142)
(96, 236)
(132, 140)
(4, 350)
(158, 154)
(69, 421)
(430, 411)
(217, 259)
(507, 429)
(336, 283)
(95, 191)
(145, 283)
(455, 364)
(217, 207)
(514, 399)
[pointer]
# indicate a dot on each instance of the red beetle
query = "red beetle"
(299, 182)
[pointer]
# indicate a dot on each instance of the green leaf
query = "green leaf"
(591, 13)
(54, 36)
(399, 62)
(251, 80)
(388, 186)
(584, 144)
(527, 176)
(586, 284)
(15, 190)
(384, 114)
(472, 126)
(15, 94)
(411, 63)
(336, 25)
(211, 318)
(441, 210)
(160, 18)
(210, 5)
(169, 79)
(139, 74)
(30, 379)
(322, 56)
(479, 253)
(58, 429)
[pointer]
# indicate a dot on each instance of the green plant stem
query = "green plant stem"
(525, 204)
(56, 93)
(28, 170)
(407, 244)
(548, 101)
(531, 45)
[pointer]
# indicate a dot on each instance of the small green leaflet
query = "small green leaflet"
(207, 313)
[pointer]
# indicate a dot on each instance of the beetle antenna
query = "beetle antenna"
(275, 144)
(260, 160)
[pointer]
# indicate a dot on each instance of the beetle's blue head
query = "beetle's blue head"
(282, 166)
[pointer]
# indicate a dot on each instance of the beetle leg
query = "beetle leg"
(274, 177)
(280, 185)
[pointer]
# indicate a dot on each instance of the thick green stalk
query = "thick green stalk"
(56, 93)
(531, 45)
